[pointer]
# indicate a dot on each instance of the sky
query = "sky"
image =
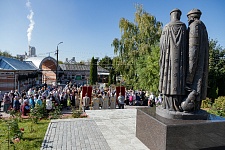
(87, 28)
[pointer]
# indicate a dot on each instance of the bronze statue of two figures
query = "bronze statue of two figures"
(184, 62)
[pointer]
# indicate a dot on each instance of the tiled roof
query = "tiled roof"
(15, 64)
(80, 67)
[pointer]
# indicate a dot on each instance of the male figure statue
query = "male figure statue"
(198, 59)
(173, 49)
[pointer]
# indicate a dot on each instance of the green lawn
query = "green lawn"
(33, 135)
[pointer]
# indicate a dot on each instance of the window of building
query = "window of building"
(83, 77)
(78, 77)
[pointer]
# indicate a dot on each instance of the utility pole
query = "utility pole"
(57, 62)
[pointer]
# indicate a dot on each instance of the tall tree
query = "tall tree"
(216, 77)
(135, 45)
(105, 62)
(93, 71)
(148, 70)
(112, 76)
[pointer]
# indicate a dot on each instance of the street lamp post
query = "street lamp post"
(57, 62)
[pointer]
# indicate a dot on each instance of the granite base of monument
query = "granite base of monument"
(159, 133)
(200, 115)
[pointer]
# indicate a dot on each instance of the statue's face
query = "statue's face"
(190, 19)
(175, 15)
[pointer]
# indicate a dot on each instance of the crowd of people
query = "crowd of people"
(50, 96)
(71, 96)
(142, 98)
(104, 99)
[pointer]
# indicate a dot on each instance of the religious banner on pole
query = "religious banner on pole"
(88, 90)
(120, 89)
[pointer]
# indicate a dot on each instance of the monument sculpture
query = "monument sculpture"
(180, 123)
(183, 72)
(173, 46)
(198, 57)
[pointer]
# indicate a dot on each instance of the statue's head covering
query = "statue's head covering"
(176, 10)
(195, 12)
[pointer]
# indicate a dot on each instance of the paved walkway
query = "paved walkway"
(104, 130)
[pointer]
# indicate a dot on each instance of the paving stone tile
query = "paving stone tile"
(104, 129)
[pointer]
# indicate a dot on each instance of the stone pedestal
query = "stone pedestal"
(200, 115)
(159, 133)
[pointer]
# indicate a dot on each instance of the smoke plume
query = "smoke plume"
(30, 18)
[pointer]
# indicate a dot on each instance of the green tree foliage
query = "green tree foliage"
(112, 76)
(5, 53)
(135, 47)
(216, 70)
(60, 62)
(93, 71)
(218, 107)
(107, 63)
(148, 70)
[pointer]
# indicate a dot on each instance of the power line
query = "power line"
(46, 53)
(80, 52)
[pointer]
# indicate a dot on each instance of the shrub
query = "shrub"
(56, 113)
(218, 107)
(207, 103)
(76, 113)
(36, 113)
(13, 131)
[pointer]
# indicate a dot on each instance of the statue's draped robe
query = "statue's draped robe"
(197, 72)
(173, 61)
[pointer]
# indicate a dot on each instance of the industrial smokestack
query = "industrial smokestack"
(30, 18)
